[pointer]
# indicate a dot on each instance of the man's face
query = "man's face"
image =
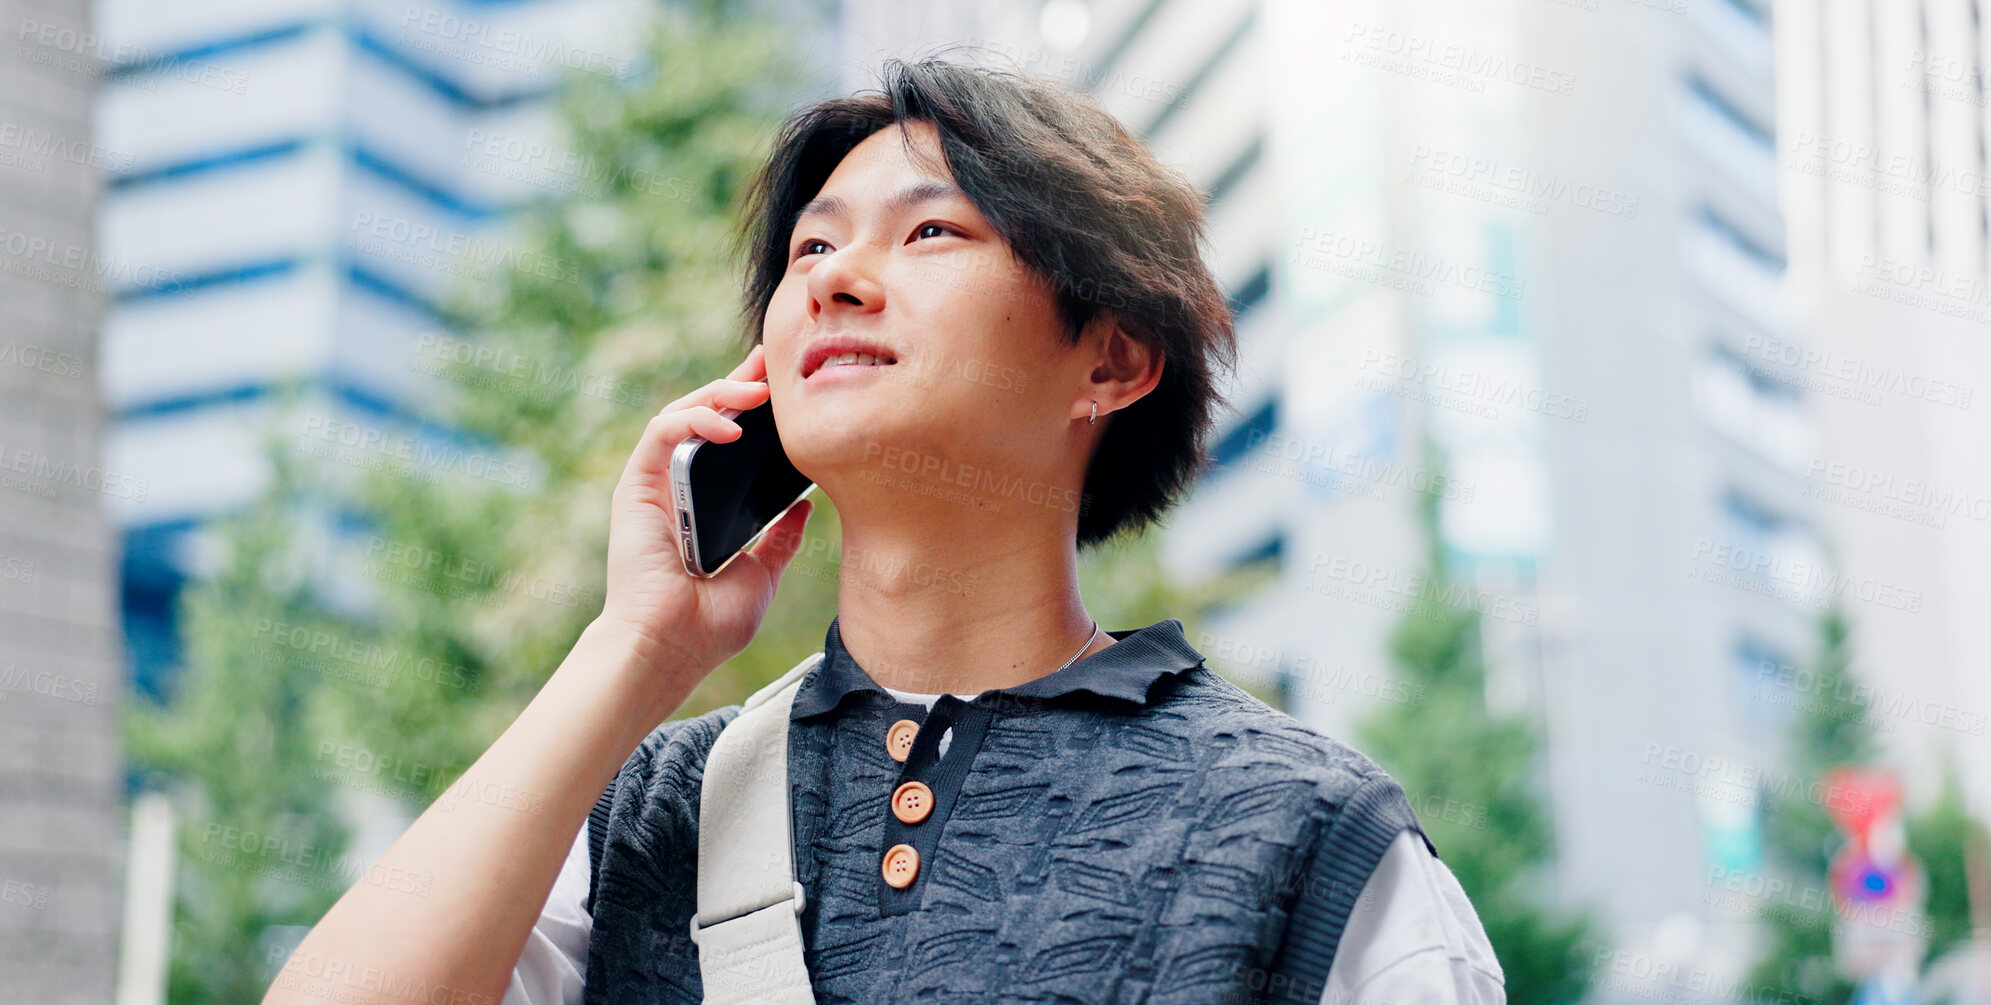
(981, 371)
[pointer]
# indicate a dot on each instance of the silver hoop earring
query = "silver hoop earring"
(1095, 414)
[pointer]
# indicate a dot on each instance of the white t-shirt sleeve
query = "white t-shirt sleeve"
(555, 962)
(1413, 938)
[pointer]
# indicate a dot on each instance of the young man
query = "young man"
(982, 319)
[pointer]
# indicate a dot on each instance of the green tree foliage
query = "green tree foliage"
(1448, 750)
(1943, 838)
(261, 842)
(1833, 730)
(1837, 726)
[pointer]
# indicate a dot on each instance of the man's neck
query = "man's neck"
(960, 612)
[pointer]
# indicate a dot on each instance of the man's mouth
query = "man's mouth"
(856, 359)
(828, 354)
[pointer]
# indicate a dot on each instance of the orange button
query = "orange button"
(899, 739)
(901, 865)
(912, 801)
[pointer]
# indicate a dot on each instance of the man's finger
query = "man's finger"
(649, 463)
(754, 367)
(724, 394)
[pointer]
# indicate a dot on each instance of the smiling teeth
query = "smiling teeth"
(845, 359)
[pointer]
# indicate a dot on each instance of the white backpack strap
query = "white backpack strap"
(748, 926)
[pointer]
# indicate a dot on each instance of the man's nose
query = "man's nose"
(847, 279)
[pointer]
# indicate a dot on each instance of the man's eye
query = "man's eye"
(806, 245)
(924, 227)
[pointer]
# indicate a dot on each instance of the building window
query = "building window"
(1252, 292)
(1768, 548)
(1230, 177)
(1244, 435)
(1769, 683)
(1734, 267)
(1731, 140)
(1713, 100)
(1762, 415)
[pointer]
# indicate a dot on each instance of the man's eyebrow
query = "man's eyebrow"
(904, 199)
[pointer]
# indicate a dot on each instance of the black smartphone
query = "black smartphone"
(728, 494)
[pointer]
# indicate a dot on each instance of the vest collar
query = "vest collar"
(1125, 671)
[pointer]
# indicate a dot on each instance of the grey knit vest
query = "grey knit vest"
(1201, 847)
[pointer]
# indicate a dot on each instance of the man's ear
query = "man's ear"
(1127, 368)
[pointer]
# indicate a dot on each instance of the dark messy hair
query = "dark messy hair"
(1084, 205)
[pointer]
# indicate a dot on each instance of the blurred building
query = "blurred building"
(301, 187)
(1885, 112)
(1546, 237)
(61, 675)
(1539, 236)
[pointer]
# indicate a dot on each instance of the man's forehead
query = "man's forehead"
(885, 149)
(899, 198)
(878, 168)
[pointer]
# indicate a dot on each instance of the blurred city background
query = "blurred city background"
(1607, 461)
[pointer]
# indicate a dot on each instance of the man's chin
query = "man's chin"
(856, 443)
